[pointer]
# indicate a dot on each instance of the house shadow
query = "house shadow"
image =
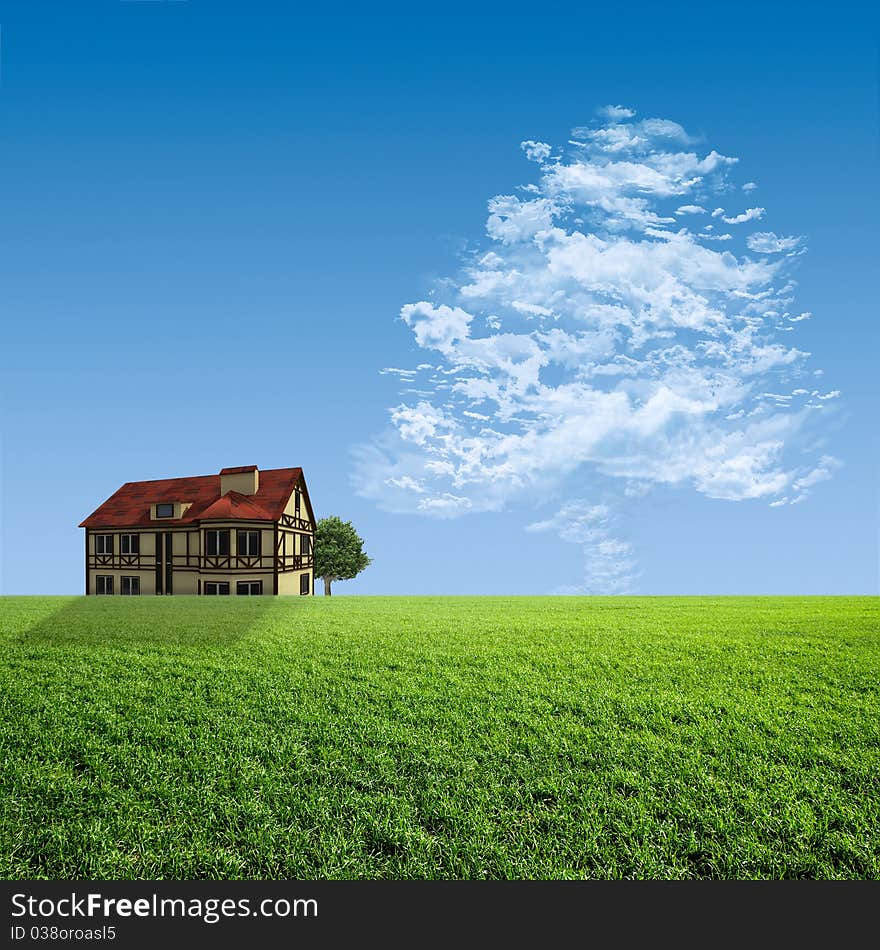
(156, 622)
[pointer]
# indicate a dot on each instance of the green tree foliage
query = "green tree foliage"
(339, 551)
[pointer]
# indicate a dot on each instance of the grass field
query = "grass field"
(440, 738)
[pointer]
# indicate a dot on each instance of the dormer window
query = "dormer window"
(165, 510)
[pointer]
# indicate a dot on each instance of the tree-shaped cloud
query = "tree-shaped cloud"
(606, 334)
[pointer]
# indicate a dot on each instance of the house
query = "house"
(240, 532)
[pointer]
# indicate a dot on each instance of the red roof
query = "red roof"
(130, 505)
(235, 505)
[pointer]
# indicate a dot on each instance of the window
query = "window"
(305, 544)
(216, 587)
(130, 585)
(216, 542)
(296, 503)
(249, 587)
(165, 510)
(248, 543)
(103, 584)
(130, 544)
(303, 583)
(103, 544)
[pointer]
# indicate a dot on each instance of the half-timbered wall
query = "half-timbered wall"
(235, 560)
(295, 541)
(147, 579)
(286, 554)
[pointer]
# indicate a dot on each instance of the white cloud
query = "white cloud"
(418, 423)
(609, 565)
(766, 242)
(445, 505)
(821, 473)
(750, 214)
(593, 341)
(407, 484)
(735, 470)
(512, 220)
(615, 112)
(436, 327)
(535, 151)
(749, 186)
(575, 521)
(394, 371)
(531, 309)
(690, 209)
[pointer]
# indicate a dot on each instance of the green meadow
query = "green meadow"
(440, 737)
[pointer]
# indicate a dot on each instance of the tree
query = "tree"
(339, 552)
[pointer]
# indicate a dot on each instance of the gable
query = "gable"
(290, 507)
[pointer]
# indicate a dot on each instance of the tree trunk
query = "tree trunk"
(327, 582)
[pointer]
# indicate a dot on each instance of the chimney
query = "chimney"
(245, 480)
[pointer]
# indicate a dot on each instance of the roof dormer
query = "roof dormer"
(168, 510)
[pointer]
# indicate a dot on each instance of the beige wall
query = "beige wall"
(293, 542)
(290, 507)
(148, 540)
(246, 483)
(267, 536)
(148, 580)
(180, 509)
(186, 581)
(288, 584)
(233, 578)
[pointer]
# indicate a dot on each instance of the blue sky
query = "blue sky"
(215, 215)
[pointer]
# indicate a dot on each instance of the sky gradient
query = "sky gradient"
(214, 218)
